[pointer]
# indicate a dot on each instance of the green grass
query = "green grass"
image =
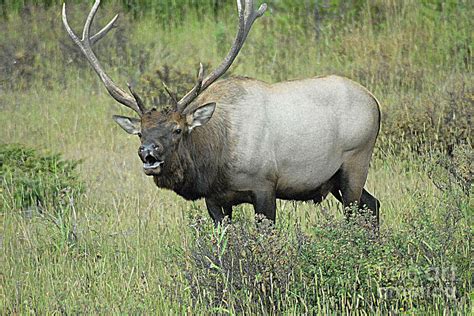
(134, 246)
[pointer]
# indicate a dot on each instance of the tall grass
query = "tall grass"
(136, 246)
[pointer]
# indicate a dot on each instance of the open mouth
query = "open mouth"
(152, 165)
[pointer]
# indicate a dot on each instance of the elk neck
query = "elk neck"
(200, 164)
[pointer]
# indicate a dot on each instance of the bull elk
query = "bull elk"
(241, 140)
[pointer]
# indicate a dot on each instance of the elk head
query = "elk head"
(161, 132)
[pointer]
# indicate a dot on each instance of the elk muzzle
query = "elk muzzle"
(150, 154)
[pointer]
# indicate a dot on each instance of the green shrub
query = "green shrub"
(342, 266)
(242, 267)
(31, 180)
(419, 268)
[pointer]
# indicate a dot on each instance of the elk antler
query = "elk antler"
(247, 15)
(85, 44)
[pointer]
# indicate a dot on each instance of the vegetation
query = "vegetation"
(98, 237)
(30, 180)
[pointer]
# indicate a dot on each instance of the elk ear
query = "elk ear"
(200, 116)
(130, 125)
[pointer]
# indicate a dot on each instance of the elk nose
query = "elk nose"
(146, 151)
(147, 148)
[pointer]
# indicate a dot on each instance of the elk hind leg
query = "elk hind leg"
(349, 185)
(372, 203)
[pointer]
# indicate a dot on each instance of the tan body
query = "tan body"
(296, 140)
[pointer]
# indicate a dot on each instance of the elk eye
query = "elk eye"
(139, 135)
(177, 131)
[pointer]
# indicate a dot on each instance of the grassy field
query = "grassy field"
(110, 242)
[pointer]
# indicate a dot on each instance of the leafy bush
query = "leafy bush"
(413, 269)
(241, 267)
(31, 180)
(343, 266)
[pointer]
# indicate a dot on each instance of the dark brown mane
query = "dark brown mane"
(199, 165)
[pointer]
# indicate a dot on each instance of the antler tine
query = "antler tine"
(261, 10)
(90, 18)
(247, 16)
(68, 28)
(140, 103)
(191, 95)
(167, 89)
(97, 37)
(85, 45)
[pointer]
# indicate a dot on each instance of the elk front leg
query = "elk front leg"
(264, 202)
(215, 210)
(228, 212)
